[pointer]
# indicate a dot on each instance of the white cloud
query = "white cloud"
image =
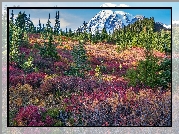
(108, 5)
(113, 5)
(15, 16)
(63, 22)
(66, 20)
(175, 21)
(72, 20)
(123, 5)
(42, 21)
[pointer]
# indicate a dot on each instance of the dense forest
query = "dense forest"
(60, 77)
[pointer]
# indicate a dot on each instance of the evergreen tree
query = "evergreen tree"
(49, 49)
(85, 35)
(12, 18)
(78, 31)
(39, 28)
(21, 20)
(66, 30)
(48, 25)
(61, 32)
(57, 24)
(152, 23)
(85, 26)
(30, 25)
(70, 34)
(97, 34)
(43, 28)
(104, 35)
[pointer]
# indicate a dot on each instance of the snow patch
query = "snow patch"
(167, 26)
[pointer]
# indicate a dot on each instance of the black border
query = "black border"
(89, 8)
(8, 8)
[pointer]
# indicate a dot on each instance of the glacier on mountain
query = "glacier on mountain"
(110, 20)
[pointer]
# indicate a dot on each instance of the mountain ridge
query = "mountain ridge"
(112, 20)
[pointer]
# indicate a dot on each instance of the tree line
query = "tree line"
(127, 36)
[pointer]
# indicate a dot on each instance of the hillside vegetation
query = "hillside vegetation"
(59, 78)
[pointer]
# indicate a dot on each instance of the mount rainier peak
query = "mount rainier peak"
(110, 20)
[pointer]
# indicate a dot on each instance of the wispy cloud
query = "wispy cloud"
(175, 21)
(123, 5)
(63, 22)
(108, 5)
(42, 21)
(67, 19)
(72, 20)
(113, 5)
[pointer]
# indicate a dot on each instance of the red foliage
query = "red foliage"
(16, 75)
(14, 80)
(100, 102)
(30, 116)
(25, 50)
(34, 79)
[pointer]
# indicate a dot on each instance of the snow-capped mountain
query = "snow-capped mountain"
(110, 20)
(161, 25)
(167, 26)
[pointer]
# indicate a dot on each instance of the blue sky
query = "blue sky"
(74, 18)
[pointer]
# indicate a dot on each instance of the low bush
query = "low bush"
(150, 73)
(32, 116)
(34, 79)
(145, 73)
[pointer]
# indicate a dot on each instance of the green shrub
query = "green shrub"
(165, 72)
(58, 123)
(12, 114)
(53, 112)
(150, 73)
(28, 65)
(15, 38)
(145, 73)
